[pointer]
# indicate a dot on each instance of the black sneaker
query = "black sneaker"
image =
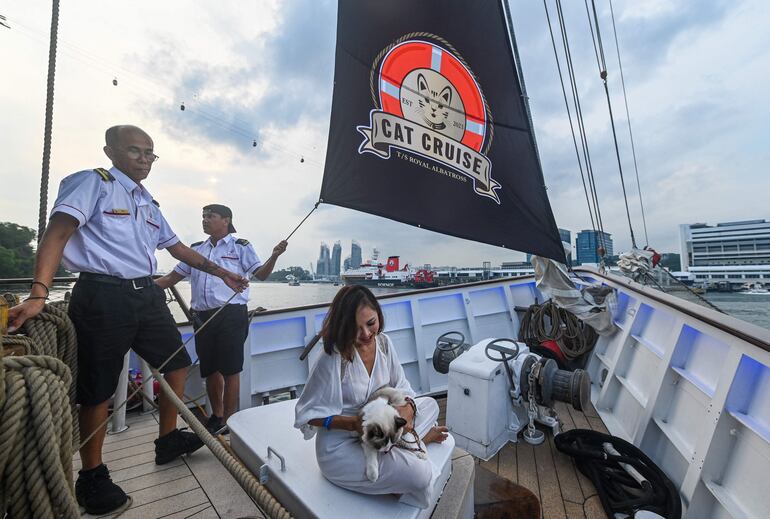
(174, 444)
(97, 493)
(216, 425)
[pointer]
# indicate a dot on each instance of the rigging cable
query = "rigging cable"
(229, 123)
(581, 122)
(569, 116)
(628, 118)
(603, 75)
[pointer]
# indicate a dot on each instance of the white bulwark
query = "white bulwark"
(730, 252)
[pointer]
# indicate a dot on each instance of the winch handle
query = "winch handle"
(446, 341)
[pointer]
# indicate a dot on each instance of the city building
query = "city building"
(587, 244)
(346, 264)
(731, 252)
(323, 265)
(336, 257)
(355, 255)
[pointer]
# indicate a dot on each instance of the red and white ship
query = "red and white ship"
(388, 275)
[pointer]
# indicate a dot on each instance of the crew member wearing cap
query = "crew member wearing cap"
(106, 226)
(220, 344)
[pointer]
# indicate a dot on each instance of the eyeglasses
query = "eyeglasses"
(134, 153)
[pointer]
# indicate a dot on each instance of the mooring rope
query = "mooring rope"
(36, 438)
(241, 473)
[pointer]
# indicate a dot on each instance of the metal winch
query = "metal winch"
(481, 421)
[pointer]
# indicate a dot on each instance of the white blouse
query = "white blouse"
(327, 393)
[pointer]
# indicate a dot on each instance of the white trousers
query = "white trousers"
(341, 460)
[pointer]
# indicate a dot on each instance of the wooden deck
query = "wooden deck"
(564, 492)
(195, 486)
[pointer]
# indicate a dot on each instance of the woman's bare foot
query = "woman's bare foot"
(437, 434)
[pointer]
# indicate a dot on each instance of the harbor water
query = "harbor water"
(754, 309)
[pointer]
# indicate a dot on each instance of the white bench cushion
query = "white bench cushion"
(301, 488)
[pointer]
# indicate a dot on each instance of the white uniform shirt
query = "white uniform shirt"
(119, 225)
(209, 292)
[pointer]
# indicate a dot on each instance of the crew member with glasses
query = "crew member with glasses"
(106, 226)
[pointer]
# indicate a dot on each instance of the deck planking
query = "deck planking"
(195, 486)
(198, 486)
(564, 492)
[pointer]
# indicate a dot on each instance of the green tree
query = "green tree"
(17, 255)
(297, 272)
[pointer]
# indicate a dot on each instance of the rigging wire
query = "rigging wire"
(603, 75)
(569, 116)
(628, 118)
(581, 123)
(151, 87)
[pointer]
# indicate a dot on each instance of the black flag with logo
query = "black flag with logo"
(429, 127)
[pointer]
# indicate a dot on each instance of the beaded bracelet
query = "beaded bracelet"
(328, 421)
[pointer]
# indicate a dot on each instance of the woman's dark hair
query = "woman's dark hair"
(339, 328)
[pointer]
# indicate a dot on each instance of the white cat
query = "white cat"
(383, 428)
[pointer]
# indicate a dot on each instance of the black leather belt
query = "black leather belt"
(135, 284)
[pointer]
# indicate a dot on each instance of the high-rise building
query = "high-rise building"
(336, 257)
(587, 244)
(323, 266)
(355, 255)
(734, 252)
(346, 264)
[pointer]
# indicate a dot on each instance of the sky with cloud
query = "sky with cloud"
(696, 77)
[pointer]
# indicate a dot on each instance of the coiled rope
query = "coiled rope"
(36, 438)
(549, 322)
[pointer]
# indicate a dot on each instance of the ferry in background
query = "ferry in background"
(389, 275)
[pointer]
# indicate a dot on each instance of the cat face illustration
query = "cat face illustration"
(429, 99)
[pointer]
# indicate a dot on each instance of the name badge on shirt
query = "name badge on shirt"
(119, 212)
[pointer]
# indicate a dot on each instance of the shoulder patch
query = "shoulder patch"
(106, 176)
(242, 241)
(155, 202)
(196, 243)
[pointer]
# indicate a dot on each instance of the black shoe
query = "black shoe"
(174, 444)
(97, 493)
(216, 425)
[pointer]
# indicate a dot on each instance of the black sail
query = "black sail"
(429, 127)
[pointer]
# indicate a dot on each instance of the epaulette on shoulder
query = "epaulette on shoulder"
(196, 243)
(106, 176)
(155, 202)
(242, 241)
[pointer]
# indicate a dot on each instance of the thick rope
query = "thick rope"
(43, 212)
(242, 475)
(549, 322)
(53, 334)
(35, 438)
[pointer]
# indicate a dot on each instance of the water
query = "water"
(754, 309)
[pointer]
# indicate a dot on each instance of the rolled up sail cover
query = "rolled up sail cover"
(429, 127)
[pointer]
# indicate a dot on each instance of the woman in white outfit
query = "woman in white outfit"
(358, 359)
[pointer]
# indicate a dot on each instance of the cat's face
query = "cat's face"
(430, 100)
(382, 426)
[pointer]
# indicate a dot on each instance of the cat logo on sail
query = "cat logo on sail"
(430, 104)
